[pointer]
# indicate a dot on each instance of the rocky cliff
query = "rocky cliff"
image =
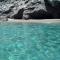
(30, 9)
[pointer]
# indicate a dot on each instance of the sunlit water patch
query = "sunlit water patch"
(29, 41)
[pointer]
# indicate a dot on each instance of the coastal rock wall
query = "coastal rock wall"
(30, 9)
(53, 8)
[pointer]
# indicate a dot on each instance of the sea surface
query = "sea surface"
(29, 41)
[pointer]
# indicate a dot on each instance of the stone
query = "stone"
(36, 11)
(53, 8)
(18, 15)
(30, 9)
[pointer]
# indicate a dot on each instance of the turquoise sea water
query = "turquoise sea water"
(29, 41)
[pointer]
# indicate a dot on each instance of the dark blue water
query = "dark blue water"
(29, 41)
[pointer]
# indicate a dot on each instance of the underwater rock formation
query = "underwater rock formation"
(30, 9)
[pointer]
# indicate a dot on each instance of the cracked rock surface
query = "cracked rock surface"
(30, 9)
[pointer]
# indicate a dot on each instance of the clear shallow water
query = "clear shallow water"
(29, 41)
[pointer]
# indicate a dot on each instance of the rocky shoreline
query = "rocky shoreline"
(30, 9)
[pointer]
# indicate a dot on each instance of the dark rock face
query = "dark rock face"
(30, 9)
(39, 14)
(57, 9)
(19, 14)
(36, 11)
(53, 8)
